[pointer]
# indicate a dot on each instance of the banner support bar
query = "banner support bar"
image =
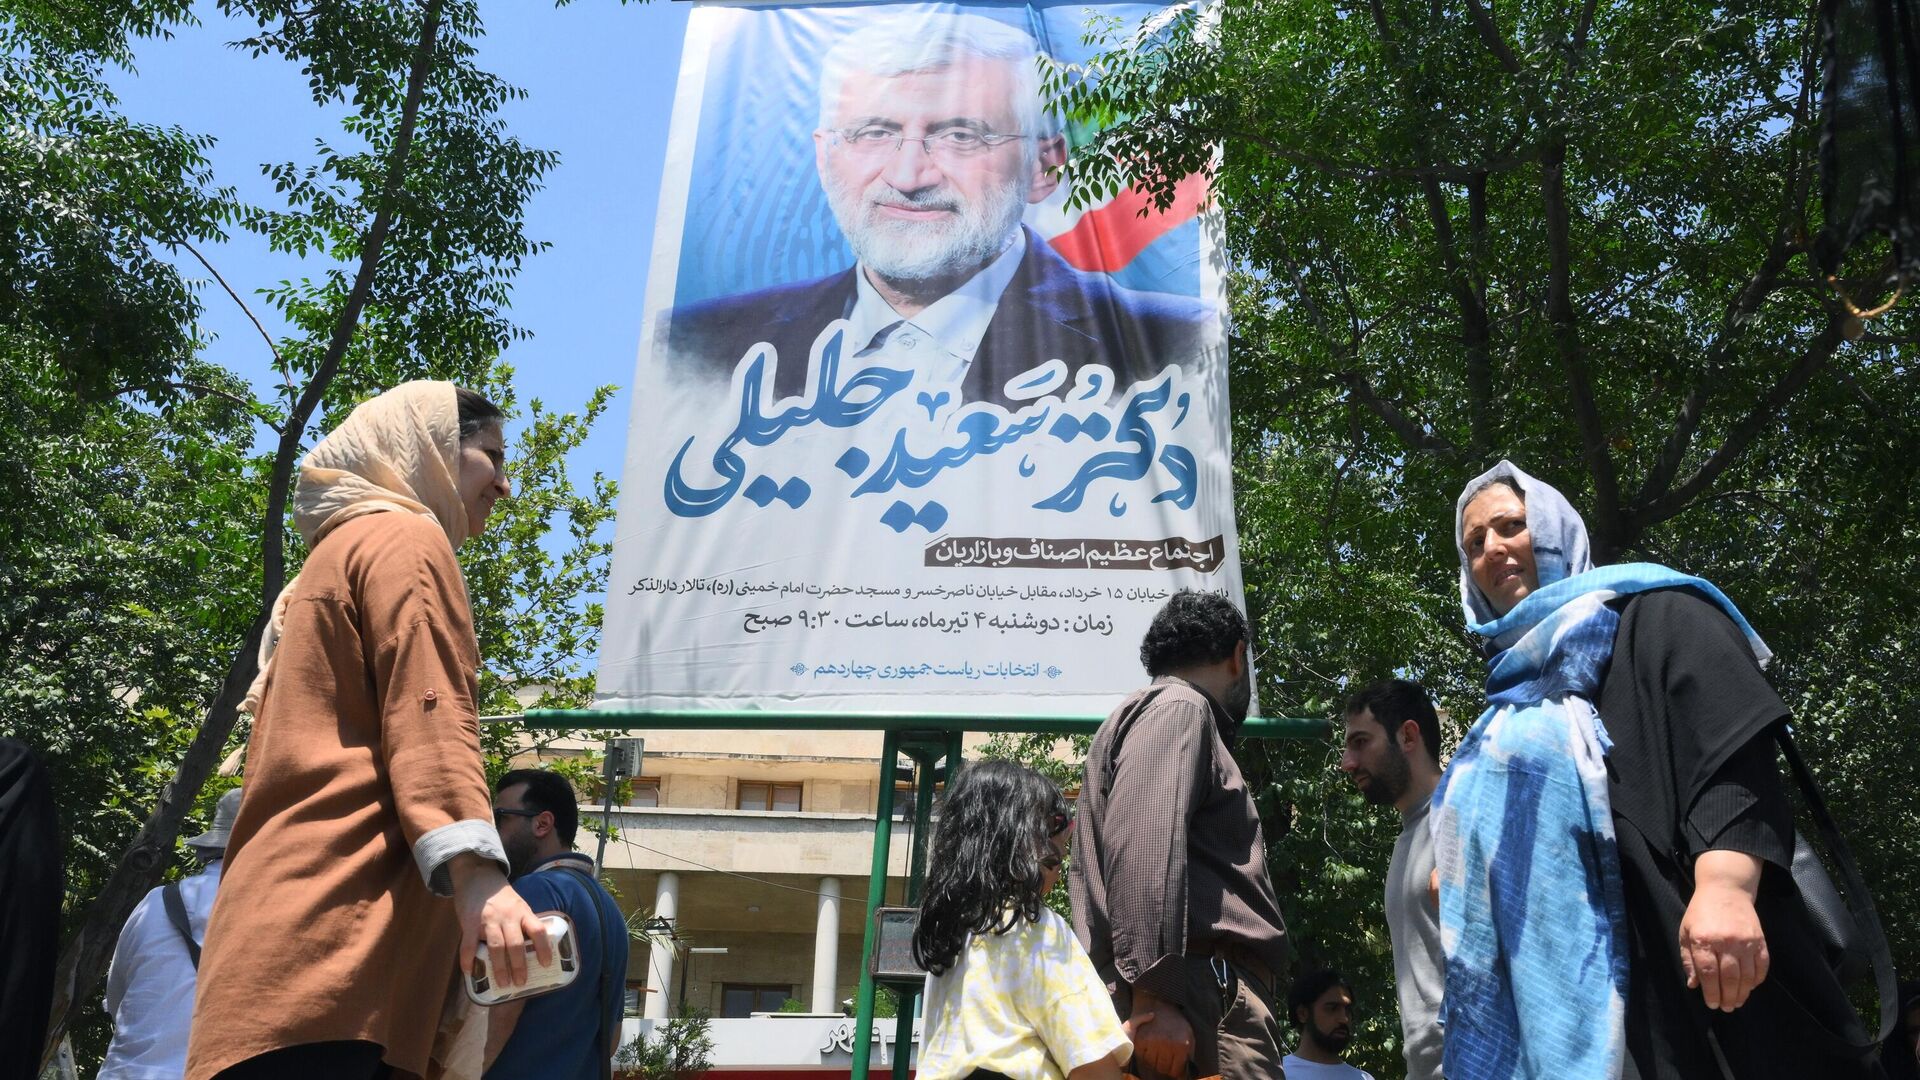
(1256, 727)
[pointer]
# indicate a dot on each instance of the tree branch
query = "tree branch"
(1411, 432)
(1692, 409)
(1766, 279)
(1612, 532)
(84, 960)
(1480, 345)
(1490, 34)
(279, 362)
(1474, 335)
(1791, 382)
(1585, 26)
(1513, 161)
(205, 391)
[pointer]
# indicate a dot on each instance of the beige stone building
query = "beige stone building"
(754, 848)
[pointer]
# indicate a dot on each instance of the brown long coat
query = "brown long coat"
(367, 738)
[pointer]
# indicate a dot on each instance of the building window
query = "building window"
(738, 1001)
(646, 791)
(769, 797)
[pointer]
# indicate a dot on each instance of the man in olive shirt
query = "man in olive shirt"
(1170, 891)
(1392, 755)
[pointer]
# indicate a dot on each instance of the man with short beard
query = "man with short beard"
(1392, 755)
(933, 139)
(571, 1033)
(1321, 1005)
(1168, 879)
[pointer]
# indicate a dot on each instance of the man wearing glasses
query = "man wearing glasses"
(569, 1034)
(933, 139)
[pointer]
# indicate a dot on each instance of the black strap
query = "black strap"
(606, 970)
(1859, 900)
(176, 906)
(1859, 905)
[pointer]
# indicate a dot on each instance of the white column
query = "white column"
(660, 957)
(826, 948)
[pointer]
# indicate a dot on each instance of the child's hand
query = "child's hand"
(1164, 1042)
(1127, 1024)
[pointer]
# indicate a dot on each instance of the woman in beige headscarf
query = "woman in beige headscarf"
(331, 949)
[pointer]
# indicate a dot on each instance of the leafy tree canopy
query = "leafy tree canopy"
(141, 527)
(1570, 234)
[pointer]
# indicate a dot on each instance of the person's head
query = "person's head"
(933, 138)
(212, 844)
(483, 458)
(426, 447)
(1392, 741)
(997, 850)
(1514, 535)
(1202, 638)
(1498, 545)
(1321, 1005)
(537, 815)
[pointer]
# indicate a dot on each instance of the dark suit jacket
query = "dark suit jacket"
(1049, 311)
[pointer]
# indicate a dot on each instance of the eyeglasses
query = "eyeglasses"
(506, 812)
(953, 144)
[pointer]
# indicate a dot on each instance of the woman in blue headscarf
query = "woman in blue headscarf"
(1613, 837)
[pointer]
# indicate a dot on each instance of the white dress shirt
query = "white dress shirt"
(150, 984)
(939, 343)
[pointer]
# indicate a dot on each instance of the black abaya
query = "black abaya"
(1693, 770)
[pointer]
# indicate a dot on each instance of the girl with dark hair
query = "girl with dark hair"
(1010, 992)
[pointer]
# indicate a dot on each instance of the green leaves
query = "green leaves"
(1417, 290)
(131, 495)
(82, 192)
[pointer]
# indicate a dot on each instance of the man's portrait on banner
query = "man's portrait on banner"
(933, 140)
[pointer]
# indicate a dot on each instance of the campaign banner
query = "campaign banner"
(910, 433)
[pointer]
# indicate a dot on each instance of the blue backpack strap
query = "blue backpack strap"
(608, 993)
(176, 906)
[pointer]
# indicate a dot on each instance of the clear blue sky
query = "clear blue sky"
(600, 77)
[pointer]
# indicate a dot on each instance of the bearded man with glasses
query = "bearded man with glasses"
(933, 140)
(570, 1034)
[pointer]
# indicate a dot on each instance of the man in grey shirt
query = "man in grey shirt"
(1393, 756)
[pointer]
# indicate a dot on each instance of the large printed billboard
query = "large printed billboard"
(910, 433)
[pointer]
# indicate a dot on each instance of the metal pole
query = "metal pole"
(1256, 727)
(916, 877)
(952, 763)
(606, 808)
(876, 897)
(923, 775)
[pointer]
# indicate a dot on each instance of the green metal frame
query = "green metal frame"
(932, 742)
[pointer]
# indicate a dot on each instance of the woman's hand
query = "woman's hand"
(490, 911)
(1722, 945)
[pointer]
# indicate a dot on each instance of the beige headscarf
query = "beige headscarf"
(396, 452)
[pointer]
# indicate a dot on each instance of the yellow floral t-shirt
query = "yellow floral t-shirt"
(1026, 1003)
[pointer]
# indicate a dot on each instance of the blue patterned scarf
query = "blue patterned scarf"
(1532, 915)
